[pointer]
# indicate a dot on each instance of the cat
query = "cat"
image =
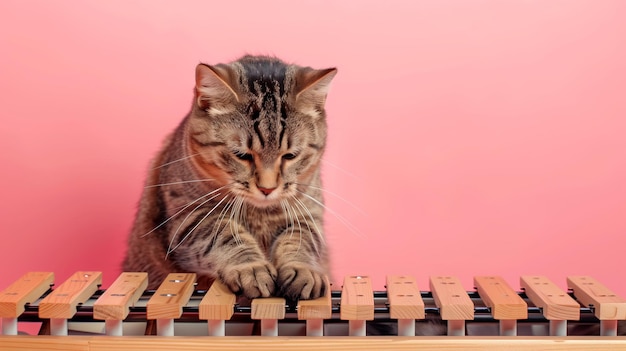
(235, 192)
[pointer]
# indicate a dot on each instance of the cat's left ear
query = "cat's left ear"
(312, 86)
(214, 88)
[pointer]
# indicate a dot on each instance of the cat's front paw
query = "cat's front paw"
(297, 280)
(255, 279)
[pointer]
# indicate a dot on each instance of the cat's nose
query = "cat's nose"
(266, 191)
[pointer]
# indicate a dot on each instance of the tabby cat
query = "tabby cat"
(235, 192)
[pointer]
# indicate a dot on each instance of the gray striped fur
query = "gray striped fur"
(235, 192)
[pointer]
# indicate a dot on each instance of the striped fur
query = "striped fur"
(235, 192)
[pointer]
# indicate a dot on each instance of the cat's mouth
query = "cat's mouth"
(262, 197)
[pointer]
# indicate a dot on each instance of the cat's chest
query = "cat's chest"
(264, 225)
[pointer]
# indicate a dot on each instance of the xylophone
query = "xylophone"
(493, 317)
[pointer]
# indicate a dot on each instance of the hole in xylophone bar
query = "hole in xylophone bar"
(176, 281)
(168, 295)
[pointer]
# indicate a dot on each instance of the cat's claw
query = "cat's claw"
(252, 280)
(297, 280)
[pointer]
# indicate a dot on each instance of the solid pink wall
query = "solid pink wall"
(473, 137)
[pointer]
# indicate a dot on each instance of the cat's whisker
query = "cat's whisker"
(339, 168)
(318, 234)
(244, 214)
(292, 215)
(289, 221)
(343, 220)
(317, 229)
(196, 226)
(233, 212)
(218, 227)
(169, 248)
(299, 232)
(283, 204)
(178, 160)
(183, 209)
(177, 183)
(310, 215)
(218, 223)
(355, 207)
(299, 207)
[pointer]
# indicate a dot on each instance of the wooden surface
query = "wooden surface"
(115, 302)
(357, 299)
(268, 308)
(247, 343)
(174, 293)
(218, 303)
(320, 308)
(556, 303)
(589, 291)
(27, 289)
(62, 301)
(405, 298)
(504, 302)
(451, 298)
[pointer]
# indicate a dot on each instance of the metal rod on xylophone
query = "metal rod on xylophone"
(404, 303)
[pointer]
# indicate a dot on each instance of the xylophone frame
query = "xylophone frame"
(303, 343)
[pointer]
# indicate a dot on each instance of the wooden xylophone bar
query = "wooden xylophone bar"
(79, 299)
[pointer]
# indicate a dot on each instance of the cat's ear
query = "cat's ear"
(312, 86)
(214, 88)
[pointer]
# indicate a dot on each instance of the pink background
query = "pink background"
(466, 137)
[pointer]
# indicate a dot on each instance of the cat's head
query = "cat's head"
(258, 126)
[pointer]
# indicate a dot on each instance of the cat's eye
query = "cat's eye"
(289, 156)
(244, 156)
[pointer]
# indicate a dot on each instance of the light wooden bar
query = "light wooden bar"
(357, 303)
(506, 306)
(608, 307)
(315, 311)
(217, 306)
(405, 303)
(269, 310)
(606, 303)
(454, 304)
(14, 298)
(114, 304)
(236, 343)
(168, 300)
(61, 303)
(557, 306)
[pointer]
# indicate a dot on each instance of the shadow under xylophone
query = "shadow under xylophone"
(497, 316)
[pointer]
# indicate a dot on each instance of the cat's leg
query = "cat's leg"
(299, 256)
(234, 257)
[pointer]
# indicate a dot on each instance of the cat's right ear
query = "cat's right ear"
(214, 90)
